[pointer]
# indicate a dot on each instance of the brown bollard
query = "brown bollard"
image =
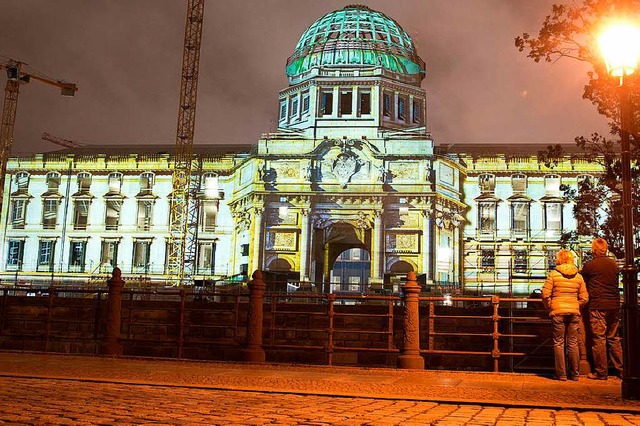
(110, 344)
(584, 366)
(253, 351)
(410, 357)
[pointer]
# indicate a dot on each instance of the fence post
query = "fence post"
(110, 344)
(584, 366)
(410, 357)
(253, 351)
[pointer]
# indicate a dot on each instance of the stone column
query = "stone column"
(410, 357)
(253, 351)
(257, 241)
(304, 244)
(326, 279)
(110, 344)
(426, 245)
(456, 251)
(376, 250)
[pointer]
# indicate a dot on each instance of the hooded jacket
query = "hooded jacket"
(564, 291)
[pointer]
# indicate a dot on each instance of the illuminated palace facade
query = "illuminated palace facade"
(348, 194)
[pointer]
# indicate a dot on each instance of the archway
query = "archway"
(401, 267)
(278, 274)
(397, 275)
(279, 265)
(331, 242)
(351, 270)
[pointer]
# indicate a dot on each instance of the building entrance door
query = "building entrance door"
(331, 242)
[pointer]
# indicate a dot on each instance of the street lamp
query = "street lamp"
(620, 45)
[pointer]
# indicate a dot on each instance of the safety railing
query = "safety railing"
(481, 333)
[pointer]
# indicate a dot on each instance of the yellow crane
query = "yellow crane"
(183, 213)
(17, 75)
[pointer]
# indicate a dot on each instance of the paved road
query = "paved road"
(73, 402)
(41, 389)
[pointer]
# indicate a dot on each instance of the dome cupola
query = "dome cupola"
(355, 36)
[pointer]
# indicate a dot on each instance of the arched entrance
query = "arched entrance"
(278, 274)
(397, 275)
(279, 265)
(350, 272)
(334, 240)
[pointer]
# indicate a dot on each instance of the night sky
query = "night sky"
(125, 56)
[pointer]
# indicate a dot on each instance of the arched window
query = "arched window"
(487, 183)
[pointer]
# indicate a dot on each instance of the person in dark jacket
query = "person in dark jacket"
(564, 293)
(601, 277)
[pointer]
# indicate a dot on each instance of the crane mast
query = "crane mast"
(15, 77)
(183, 208)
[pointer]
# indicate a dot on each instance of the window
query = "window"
(520, 260)
(112, 214)
(551, 258)
(401, 108)
(145, 214)
(14, 254)
(520, 217)
(147, 180)
(208, 212)
(45, 255)
(585, 182)
(294, 107)
(488, 259)
(206, 258)
(487, 183)
(77, 256)
(84, 182)
(587, 220)
(365, 103)
(81, 213)
(244, 250)
(210, 185)
(53, 181)
(346, 102)
(141, 255)
(283, 110)
(552, 185)
(305, 103)
(487, 212)
(108, 255)
(386, 105)
(519, 184)
(553, 216)
(22, 182)
(50, 213)
(326, 103)
(417, 111)
(18, 213)
(115, 183)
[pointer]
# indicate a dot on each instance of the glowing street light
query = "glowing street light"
(620, 46)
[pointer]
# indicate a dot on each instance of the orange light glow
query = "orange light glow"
(620, 46)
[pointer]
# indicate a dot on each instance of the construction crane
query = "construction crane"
(16, 76)
(183, 209)
(61, 141)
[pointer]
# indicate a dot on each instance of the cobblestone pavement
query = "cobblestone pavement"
(44, 389)
(72, 402)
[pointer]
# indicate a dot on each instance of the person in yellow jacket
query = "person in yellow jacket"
(564, 293)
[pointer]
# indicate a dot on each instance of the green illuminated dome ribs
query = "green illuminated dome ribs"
(355, 36)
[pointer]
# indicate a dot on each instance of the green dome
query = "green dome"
(355, 35)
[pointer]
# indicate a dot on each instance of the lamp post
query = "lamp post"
(620, 45)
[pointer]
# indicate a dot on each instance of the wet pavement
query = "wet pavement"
(66, 389)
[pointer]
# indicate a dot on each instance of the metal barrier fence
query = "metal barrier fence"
(500, 334)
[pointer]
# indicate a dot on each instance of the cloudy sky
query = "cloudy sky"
(125, 56)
